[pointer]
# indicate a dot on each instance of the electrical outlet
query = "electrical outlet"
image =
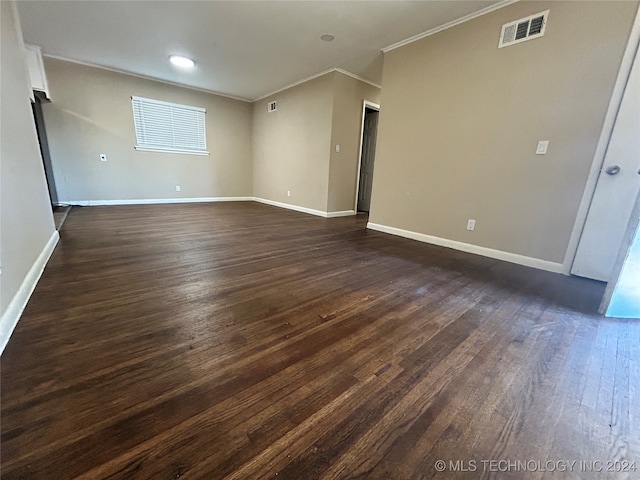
(337, 148)
(178, 188)
(103, 157)
(288, 193)
(471, 224)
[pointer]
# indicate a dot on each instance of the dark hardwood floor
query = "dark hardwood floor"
(241, 341)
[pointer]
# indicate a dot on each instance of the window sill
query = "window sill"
(168, 150)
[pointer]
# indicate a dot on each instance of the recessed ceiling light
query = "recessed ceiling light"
(181, 61)
(327, 37)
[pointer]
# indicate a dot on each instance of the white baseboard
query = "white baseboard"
(310, 211)
(13, 312)
(147, 201)
(288, 206)
(467, 247)
(343, 213)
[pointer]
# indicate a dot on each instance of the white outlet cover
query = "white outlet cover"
(178, 188)
(337, 148)
(471, 224)
(542, 147)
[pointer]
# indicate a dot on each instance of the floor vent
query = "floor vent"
(271, 106)
(524, 29)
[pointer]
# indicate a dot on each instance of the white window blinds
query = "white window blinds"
(169, 127)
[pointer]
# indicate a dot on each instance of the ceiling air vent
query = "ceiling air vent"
(271, 106)
(524, 29)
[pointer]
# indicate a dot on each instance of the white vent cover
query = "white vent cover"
(271, 106)
(524, 29)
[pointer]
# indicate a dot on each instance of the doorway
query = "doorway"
(609, 245)
(38, 117)
(616, 189)
(622, 297)
(60, 212)
(370, 114)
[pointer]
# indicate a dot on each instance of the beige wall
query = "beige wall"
(91, 114)
(294, 147)
(349, 95)
(253, 152)
(462, 118)
(26, 222)
(291, 145)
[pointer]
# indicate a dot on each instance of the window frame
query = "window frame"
(174, 148)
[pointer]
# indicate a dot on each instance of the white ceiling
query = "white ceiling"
(245, 49)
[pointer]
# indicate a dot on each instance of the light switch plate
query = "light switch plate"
(542, 147)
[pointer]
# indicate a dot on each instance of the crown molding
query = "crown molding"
(144, 77)
(453, 23)
(316, 75)
(296, 83)
(357, 77)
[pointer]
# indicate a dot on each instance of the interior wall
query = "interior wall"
(462, 118)
(26, 220)
(91, 114)
(291, 145)
(349, 95)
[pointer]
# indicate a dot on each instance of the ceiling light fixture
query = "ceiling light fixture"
(181, 61)
(327, 37)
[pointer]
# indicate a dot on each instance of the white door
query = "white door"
(616, 190)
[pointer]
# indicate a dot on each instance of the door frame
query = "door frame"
(603, 143)
(43, 143)
(373, 106)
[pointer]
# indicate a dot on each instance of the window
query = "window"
(169, 127)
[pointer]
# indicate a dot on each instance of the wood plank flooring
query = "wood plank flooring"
(242, 341)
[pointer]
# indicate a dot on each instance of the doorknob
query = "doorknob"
(613, 170)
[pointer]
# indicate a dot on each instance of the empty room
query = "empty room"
(319, 239)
